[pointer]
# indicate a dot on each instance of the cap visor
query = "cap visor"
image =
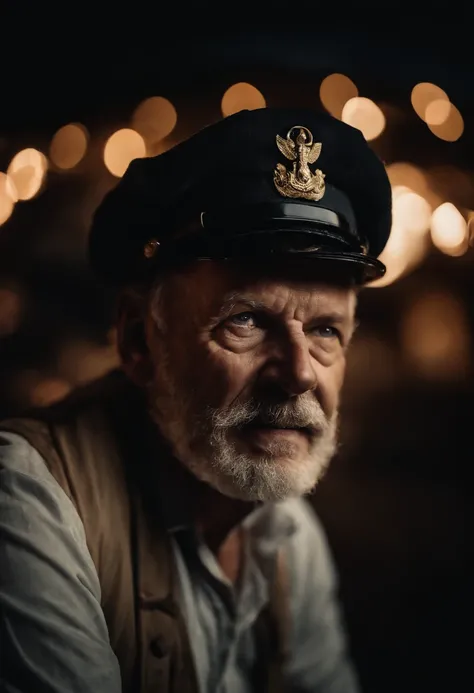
(316, 246)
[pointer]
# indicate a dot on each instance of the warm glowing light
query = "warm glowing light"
(27, 171)
(401, 173)
(8, 197)
(435, 336)
(451, 128)
(449, 230)
(403, 252)
(470, 228)
(399, 190)
(155, 118)
(437, 112)
(81, 361)
(11, 306)
(36, 389)
(409, 237)
(364, 115)
(68, 146)
(335, 91)
(404, 175)
(121, 148)
(241, 96)
(423, 95)
(411, 211)
(48, 391)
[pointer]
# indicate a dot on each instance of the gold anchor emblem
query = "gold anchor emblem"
(300, 181)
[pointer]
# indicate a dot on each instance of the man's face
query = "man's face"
(247, 375)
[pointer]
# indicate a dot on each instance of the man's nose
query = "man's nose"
(294, 368)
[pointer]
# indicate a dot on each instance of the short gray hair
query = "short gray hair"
(150, 297)
(156, 295)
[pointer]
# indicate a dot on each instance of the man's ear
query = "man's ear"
(131, 338)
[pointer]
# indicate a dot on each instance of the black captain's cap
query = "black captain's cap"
(258, 184)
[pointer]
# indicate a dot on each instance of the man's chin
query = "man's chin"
(285, 481)
(265, 478)
(275, 444)
(264, 466)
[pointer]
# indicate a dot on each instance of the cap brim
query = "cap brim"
(280, 244)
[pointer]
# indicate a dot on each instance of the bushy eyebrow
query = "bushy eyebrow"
(236, 298)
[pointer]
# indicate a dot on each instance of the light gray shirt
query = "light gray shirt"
(53, 635)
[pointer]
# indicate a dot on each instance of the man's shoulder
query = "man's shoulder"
(19, 456)
(75, 450)
(79, 440)
(88, 414)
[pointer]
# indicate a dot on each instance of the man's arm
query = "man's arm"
(319, 659)
(53, 635)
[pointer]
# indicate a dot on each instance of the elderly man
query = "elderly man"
(153, 533)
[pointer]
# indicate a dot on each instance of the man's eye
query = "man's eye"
(244, 320)
(327, 331)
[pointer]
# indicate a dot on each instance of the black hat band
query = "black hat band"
(284, 216)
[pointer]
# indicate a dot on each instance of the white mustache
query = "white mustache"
(304, 412)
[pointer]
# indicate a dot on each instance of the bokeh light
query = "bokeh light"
(470, 228)
(154, 119)
(451, 128)
(411, 211)
(241, 96)
(68, 146)
(437, 112)
(27, 171)
(8, 197)
(403, 252)
(121, 148)
(11, 308)
(335, 91)
(80, 360)
(449, 231)
(47, 391)
(403, 174)
(411, 217)
(365, 115)
(36, 389)
(435, 336)
(423, 94)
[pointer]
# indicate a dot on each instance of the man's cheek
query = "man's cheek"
(237, 378)
(330, 385)
(220, 377)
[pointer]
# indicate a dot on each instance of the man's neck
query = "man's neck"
(219, 520)
(217, 516)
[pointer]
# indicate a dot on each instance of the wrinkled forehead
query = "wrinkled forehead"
(208, 287)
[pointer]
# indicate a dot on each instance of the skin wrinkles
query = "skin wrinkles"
(243, 374)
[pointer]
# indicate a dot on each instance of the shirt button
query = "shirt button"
(159, 648)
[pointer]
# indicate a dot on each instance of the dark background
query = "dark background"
(397, 501)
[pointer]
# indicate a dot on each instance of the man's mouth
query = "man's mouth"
(258, 424)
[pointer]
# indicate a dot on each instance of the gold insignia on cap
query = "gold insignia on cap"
(300, 181)
(150, 248)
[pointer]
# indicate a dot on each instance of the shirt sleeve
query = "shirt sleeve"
(319, 658)
(53, 635)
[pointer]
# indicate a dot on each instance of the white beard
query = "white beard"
(207, 445)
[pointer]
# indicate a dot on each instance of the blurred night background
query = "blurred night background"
(78, 103)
